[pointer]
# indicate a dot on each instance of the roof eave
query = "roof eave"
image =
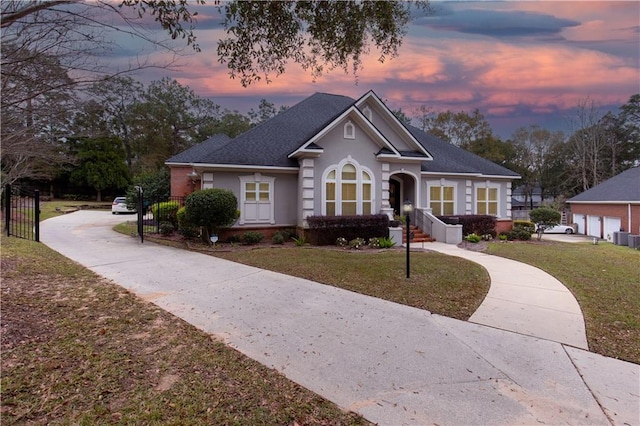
(605, 202)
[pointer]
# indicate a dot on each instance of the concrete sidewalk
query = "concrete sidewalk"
(524, 299)
(391, 363)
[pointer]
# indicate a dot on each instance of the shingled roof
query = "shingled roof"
(270, 143)
(622, 188)
(448, 158)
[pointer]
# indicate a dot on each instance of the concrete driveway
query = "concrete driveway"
(393, 364)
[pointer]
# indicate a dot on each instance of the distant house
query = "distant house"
(334, 155)
(522, 199)
(613, 205)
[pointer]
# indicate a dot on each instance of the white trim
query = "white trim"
(234, 167)
(256, 178)
(466, 175)
(356, 115)
(394, 121)
(349, 130)
(633, 203)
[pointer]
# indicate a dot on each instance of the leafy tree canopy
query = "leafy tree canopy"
(263, 37)
(101, 164)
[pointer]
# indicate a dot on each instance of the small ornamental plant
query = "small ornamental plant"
(342, 242)
(473, 238)
(356, 243)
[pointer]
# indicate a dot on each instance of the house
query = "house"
(334, 155)
(524, 199)
(613, 205)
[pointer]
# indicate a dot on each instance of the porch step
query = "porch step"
(418, 235)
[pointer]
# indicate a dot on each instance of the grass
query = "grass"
(604, 278)
(54, 208)
(441, 284)
(78, 349)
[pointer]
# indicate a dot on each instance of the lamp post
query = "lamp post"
(408, 208)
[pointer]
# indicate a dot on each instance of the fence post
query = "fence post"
(7, 208)
(36, 207)
(140, 213)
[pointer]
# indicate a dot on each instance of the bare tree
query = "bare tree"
(587, 145)
(49, 50)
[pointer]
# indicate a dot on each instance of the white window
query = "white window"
(442, 199)
(349, 130)
(348, 190)
(487, 197)
(256, 199)
(207, 180)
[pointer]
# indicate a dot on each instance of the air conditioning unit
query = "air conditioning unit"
(634, 242)
(621, 238)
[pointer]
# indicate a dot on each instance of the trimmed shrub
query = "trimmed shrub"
(278, 238)
(252, 237)
(521, 234)
(325, 230)
(524, 224)
(185, 228)
(165, 212)
(212, 209)
(479, 224)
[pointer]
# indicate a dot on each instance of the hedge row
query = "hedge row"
(479, 224)
(325, 230)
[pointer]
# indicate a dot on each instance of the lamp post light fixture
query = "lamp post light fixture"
(407, 207)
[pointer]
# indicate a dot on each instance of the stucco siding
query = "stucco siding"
(360, 150)
(388, 131)
(285, 191)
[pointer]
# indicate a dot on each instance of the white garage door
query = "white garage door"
(578, 219)
(593, 226)
(611, 225)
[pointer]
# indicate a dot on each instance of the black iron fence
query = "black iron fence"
(157, 215)
(21, 212)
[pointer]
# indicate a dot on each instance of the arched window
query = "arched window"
(349, 130)
(348, 190)
(367, 113)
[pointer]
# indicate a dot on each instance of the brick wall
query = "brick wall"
(610, 210)
(181, 183)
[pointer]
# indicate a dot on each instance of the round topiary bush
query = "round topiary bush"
(212, 209)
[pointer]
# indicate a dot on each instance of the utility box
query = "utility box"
(621, 238)
(634, 242)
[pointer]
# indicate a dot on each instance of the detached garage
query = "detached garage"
(613, 205)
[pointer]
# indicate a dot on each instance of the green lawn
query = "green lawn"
(604, 278)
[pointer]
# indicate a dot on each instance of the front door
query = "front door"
(394, 196)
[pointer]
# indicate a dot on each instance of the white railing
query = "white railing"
(440, 231)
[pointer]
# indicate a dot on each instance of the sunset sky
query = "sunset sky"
(518, 62)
